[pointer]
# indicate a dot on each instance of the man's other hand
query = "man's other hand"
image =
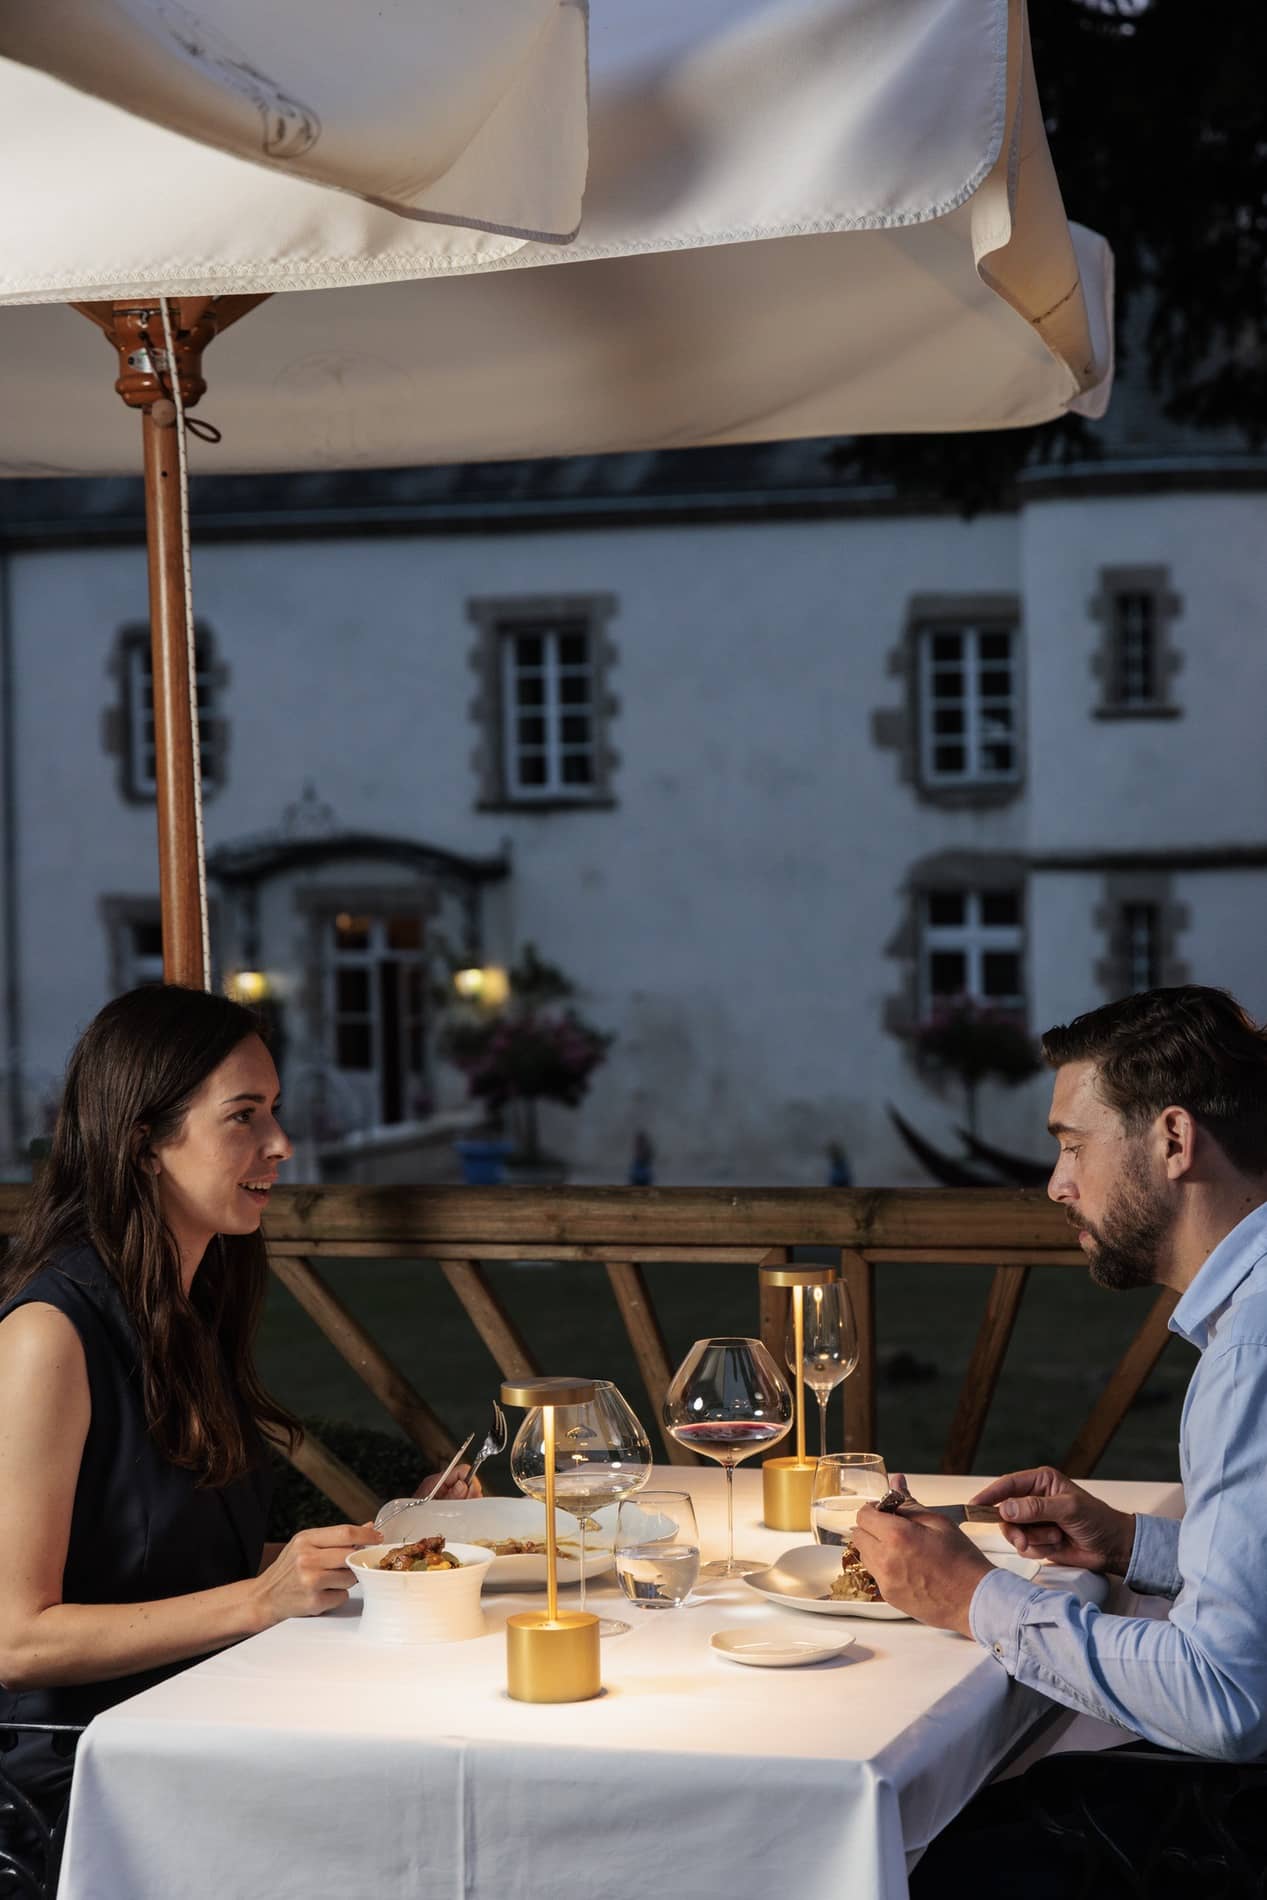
(1044, 1514)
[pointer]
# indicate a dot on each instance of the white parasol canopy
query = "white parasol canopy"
(802, 217)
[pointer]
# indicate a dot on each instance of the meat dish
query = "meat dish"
(854, 1584)
(428, 1553)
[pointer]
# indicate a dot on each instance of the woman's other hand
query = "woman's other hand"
(460, 1485)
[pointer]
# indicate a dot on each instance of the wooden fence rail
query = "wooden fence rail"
(622, 1230)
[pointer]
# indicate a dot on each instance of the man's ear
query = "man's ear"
(1177, 1129)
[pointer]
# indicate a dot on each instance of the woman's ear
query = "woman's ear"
(142, 1154)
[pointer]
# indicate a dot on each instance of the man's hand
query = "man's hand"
(1044, 1514)
(922, 1563)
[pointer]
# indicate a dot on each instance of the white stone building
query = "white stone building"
(766, 763)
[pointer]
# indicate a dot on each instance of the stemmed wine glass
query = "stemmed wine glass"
(829, 1346)
(601, 1455)
(728, 1399)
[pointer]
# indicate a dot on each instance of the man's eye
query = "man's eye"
(1069, 1150)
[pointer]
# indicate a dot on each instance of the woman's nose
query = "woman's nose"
(279, 1144)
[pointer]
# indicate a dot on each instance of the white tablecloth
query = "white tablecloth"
(309, 1763)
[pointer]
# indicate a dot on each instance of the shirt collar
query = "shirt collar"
(1218, 1278)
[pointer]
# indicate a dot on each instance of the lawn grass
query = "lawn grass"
(1069, 1335)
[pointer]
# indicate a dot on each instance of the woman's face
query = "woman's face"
(214, 1175)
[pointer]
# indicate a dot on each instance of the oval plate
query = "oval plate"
(468, 1520)
(775, 1651)
(802, 1577)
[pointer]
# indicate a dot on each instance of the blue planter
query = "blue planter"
(483, 1162)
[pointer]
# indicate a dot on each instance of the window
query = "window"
(1136, 658)
(548, 700)
(968, 705)
(544, 710)
(972, 947)
(130, 729)
(1141, 946)
(377, 1012)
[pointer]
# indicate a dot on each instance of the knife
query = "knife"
(402, 1504)
(957, 1513)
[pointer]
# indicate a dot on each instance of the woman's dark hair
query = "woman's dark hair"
(128, 1087)
(1187, 1047)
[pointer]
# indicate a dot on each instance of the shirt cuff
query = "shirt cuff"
(1153, 1570)
(996, 1613)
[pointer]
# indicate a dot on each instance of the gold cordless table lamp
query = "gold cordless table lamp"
(551, 1657)
(787, 1484)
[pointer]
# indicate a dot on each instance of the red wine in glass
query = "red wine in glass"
(728, 1399)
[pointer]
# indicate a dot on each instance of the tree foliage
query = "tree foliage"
(1155, 116)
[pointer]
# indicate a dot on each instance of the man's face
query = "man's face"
(1104, 1182)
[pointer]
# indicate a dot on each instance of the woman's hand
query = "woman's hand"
(310, 1575)
(460, 1485)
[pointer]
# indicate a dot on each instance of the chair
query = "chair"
(30, 1842)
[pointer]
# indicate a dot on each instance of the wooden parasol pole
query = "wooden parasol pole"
(160, 345)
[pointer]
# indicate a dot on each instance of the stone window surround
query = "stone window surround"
(1121, 888)
(1167, 607)
(944, 871)
(488, 613)
(119, 911)
(898, 728)
(116, 725)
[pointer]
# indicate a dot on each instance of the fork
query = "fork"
(494, 1442)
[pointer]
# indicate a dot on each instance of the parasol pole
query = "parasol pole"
(160, 343)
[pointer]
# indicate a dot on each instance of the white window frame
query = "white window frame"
(377, 948)
(977, 707)
(141, 740)
(552, 711)
(975, 939)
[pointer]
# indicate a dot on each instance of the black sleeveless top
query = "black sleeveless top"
(141, 1527)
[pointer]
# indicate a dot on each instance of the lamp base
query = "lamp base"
(552, 1661)
(787, 1490)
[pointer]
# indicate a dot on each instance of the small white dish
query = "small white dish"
(774, 1651)
(420, 1606)
(470, 1520)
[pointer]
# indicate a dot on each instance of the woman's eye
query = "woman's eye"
(243, 1115)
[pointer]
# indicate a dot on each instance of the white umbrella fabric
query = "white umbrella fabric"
(801, 217)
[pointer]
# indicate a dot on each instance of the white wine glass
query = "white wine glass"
(601, 1455)
(829, 1346)
(727, 1400)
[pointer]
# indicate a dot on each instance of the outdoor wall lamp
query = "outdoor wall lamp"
(489, 985)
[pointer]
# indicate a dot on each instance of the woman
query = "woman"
(133, 1470)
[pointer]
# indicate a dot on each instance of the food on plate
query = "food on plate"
(522, 1546)
(854, 1584)
(427, 1554)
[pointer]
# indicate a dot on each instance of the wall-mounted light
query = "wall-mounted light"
(489, 985)
(248, 986)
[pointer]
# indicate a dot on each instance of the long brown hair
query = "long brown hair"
(129, 1084)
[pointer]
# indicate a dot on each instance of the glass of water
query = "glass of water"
(657, 1549)
(843, 1483)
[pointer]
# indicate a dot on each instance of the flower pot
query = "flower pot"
(483, 1162)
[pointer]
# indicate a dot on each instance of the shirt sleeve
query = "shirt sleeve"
(1154, 1567)
(1197, 1681)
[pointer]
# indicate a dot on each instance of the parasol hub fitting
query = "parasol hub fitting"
(145, 370)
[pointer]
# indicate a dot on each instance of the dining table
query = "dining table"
(310, 1762)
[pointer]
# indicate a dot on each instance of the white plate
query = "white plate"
(469, 1520)
(802, 1578)
(774, 1651)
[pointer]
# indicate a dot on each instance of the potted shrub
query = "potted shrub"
(535, 1048)
(973, 1042)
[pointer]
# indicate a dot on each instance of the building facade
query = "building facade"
(774, 769)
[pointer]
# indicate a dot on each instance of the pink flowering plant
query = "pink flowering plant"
(973, 1041)
(535, 1049)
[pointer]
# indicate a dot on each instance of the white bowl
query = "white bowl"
(421, 1606)
(499, 1518)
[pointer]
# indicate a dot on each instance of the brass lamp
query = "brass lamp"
(787, 1484)
(551, 1658)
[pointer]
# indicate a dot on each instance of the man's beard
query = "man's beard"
(1129, 1238)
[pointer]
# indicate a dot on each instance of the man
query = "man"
(1159, 1107)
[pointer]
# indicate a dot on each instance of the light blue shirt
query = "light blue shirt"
(1198, 1680)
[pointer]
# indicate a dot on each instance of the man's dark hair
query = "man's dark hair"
(1187, 1047)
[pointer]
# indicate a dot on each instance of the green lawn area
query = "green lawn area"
(1069, 1335)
